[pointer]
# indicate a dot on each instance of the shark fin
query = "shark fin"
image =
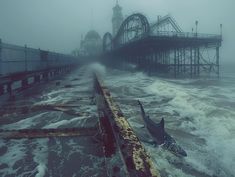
(162, 130)
(142, 109)
(162, 124)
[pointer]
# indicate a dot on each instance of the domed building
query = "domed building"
(91, 45)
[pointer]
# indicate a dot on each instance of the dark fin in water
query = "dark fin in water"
(155, 129)
(162, 124)
(142, 109)
(160, 131)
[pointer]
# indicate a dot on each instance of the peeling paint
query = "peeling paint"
(138, 163)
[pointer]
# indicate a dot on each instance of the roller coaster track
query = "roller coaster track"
(167, 19)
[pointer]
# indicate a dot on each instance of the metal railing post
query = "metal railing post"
(1, 86)
(25, 58)
(217, 61)
(0, 56)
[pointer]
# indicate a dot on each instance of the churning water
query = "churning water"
(199, 114)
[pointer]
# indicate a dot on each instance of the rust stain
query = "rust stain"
(137, 161)
(44, 133)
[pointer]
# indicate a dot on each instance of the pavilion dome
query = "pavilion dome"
(92, 35)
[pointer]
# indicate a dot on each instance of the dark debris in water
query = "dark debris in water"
(68, 86)
(75, 79)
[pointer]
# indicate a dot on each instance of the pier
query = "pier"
(158, 47)
(162, 47)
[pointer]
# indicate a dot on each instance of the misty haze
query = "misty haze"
(117, 88)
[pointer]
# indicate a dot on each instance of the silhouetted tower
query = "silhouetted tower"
(117, 18)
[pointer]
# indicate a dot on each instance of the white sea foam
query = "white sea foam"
(41, 156)
(97, 68)
(213, 123)
(16, 150)
(63, 122)
(53, 97)
(25, 123)
(195, 109)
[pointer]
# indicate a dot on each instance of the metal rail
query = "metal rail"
(186, 35)
(134, 155)
(155, 47)
(46, 133)
(164, 20)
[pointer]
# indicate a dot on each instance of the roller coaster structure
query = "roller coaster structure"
(162, 47)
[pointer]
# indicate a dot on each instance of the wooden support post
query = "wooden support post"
(198, 61)
(191, 62)
(1, 89)
(51, 73)
(217, 61)
(24, 83)
(195, 62)
(37, 78)
(175, 63)
(178, 61)
(153, 61)
(181, 60)
(184, 59)
(25, 58)
(45, 75)
(9, 88)
(0, 56)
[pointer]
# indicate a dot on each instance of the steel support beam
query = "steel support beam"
(217, 60)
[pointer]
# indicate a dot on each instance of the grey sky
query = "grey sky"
(57, 25)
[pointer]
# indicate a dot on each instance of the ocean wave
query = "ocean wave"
(195, 107)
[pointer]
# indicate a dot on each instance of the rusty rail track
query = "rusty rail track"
(119, 136)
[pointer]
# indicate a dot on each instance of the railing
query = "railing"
(167, 18)
(18, 59)
(170, 34)
(185, 35)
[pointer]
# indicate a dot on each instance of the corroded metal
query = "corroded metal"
(162, 47)
(134, 27)
(135, 158)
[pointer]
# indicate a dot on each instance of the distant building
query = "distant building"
(117, 18)
(91, 45)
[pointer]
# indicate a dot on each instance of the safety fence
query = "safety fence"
(18, 59)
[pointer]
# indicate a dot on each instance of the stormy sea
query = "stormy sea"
(199, 114)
